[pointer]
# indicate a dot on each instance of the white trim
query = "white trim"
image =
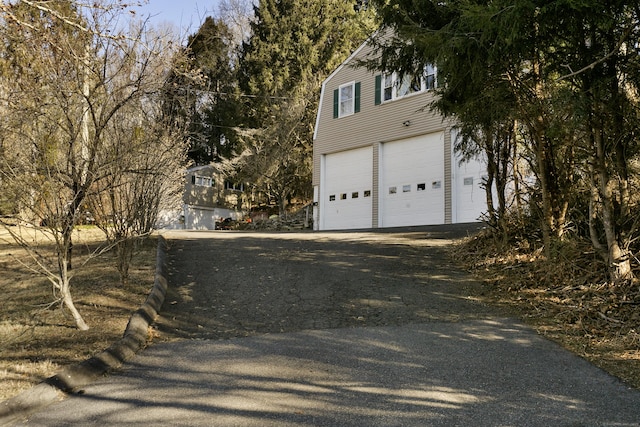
(454, 176)
(380, 184)
(322, 196)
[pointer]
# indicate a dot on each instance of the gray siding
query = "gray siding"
(198, 195)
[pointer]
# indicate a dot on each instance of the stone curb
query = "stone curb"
(72, 378)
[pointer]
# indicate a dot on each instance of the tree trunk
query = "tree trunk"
(516, 172)
(491, 176)
(64, 265)
(547, 210)
(507, 139)
(619, 262)
(124, 254)
(593, 216)
(65, 292)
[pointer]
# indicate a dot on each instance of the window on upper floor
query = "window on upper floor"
(202, 181)
(391, 86)
(346, 100)
(233, 186)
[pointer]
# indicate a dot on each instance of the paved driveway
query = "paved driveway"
(340, 329)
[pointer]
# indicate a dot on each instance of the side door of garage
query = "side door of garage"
(470, 199)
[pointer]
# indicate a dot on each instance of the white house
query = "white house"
(380, 159)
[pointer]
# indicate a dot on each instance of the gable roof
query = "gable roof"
(332, 75)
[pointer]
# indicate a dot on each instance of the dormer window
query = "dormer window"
(391, 86)
(202, 181)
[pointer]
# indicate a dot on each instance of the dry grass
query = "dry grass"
(568, 300)
(38, 338)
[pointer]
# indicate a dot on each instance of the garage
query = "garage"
(346, 201)
(412, 181)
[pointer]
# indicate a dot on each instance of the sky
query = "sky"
(184, 14)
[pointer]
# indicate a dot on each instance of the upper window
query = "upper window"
(233, 186)
(346, 100)
(202, 181)
(394, 87)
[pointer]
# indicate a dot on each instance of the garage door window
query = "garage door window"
(332, 198)
(422, 186)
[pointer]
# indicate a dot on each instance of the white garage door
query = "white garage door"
(469, 202)
(198, 218)
(346, 197)
(412, 191)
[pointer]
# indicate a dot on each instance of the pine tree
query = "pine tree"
(567, 72)
(201, 92)
(294, 45)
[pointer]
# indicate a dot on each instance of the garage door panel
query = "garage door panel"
(347, 194)
(413, 181)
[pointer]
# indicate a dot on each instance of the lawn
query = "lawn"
(37, 336)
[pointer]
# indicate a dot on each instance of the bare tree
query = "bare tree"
(69, 71)
(149, 156)
(276, 159)
(237, 15)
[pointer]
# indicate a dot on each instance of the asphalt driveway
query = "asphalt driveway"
(228, 284)
(340, 329)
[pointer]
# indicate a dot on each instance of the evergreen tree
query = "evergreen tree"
(566, 71)
(201, 92)
(294, 45)
(214, 101)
